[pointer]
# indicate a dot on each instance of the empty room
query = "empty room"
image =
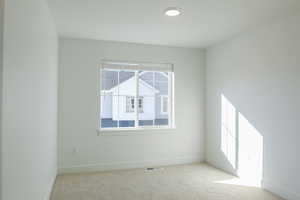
(149, 99)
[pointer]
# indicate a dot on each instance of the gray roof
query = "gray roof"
(110, 79)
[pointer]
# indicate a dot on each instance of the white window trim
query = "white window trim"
(171, 104)
(138, 130)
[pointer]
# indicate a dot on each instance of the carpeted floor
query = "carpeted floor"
(183, 182)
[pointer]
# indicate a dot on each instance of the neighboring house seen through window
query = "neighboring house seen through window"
(164, 104)
(140, 105)
(130, 104)
(136, 95)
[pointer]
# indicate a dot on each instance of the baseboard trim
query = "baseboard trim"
(49, 189)
(128, 165)
(280, 190)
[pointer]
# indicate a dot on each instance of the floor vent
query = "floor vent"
(149, 169)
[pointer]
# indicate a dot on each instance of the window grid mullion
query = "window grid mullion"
(153, 76)
(118, 122)
(170, 100)
(136, 99)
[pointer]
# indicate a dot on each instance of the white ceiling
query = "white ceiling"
(202, 23)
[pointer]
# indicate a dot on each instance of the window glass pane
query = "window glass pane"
(127, 123)
(161, 82)
(141, 104)
(165, 104)
(162, 115)
(106, 112)
(120, 106)
(147, 117)
(127, 78)
(146, 101)
(127, 93)
(145, 123)
(130, 104)
(109, 84)
(109, 80)
(146, 84)
(162, 121)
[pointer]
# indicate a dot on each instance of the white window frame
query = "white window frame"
(170, 96)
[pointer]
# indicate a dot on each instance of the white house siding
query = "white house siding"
(106, 111)
(128, 88)
(161, 83)
(149, 113)
(158, 114)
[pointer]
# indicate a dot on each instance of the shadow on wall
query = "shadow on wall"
(242, 145)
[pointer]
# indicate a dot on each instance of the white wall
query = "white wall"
(30, 101)
(1, 84)
(258, 72)
(79, 146)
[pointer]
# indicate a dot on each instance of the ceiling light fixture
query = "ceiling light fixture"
(172, 12)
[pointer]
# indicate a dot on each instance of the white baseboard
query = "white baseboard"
(128, 165)
(280, 190)
(49, 189)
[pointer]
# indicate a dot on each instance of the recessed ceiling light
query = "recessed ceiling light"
(172, 11)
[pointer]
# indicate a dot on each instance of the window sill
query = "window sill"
(133, 131)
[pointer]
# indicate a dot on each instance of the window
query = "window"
(136, 95)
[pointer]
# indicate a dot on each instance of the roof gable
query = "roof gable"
(150, 87)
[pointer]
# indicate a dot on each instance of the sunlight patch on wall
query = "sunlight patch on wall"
(250, 155)
(242, 145)
(229, 144)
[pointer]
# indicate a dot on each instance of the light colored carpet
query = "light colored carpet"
(183, 182)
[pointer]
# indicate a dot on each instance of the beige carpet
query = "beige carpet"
(184, 182)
